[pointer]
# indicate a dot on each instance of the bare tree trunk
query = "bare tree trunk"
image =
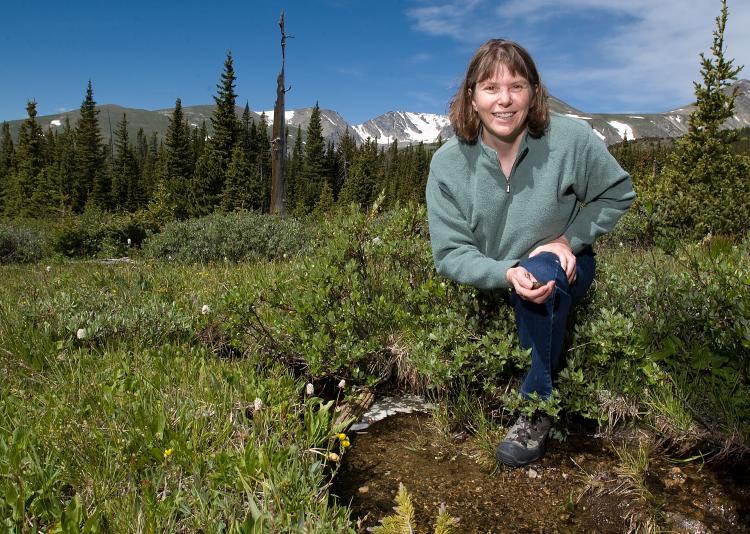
(278, 144)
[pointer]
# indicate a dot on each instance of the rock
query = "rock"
(533, 473)
(675, 477)
(686, 525)
(363, 489)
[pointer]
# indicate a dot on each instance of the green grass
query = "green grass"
(128, 396)
(139, 426)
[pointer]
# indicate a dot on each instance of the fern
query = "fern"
(402, 522)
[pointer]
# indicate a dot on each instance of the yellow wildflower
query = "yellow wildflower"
(167, 453)
(345, 443)
(342, 437)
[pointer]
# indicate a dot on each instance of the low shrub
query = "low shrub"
(681, 320)
(20, 243)
(96, 233)
(367, 305)
(236, 236)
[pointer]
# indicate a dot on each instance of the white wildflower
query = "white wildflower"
(49, 268)
(342, 384)
(81, 334)
(376, 240)
(257, 404)
(309, 389)
(129, 242)
(205, 309)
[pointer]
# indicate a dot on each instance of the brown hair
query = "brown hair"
(465, 120)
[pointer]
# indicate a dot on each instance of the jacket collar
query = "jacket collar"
(490, 152)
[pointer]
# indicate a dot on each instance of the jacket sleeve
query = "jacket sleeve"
(605, 191)
(454, 250)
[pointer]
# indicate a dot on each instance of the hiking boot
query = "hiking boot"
(525, 441)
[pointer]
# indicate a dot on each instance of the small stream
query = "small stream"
(577, 487)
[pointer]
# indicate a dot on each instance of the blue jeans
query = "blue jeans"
(541, 327)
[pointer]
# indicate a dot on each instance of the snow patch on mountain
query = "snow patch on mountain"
(55, 122)
(404, 127)
(288, 115)
(625, 130)
(577, 116)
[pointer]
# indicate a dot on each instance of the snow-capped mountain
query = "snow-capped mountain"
(405, 127)
(613, 128)
(332, 124)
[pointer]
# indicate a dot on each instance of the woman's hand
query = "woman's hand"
(527, 287)
(560, 247)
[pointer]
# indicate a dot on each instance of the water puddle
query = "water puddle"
(578, 486)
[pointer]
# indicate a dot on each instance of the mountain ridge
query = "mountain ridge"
(406, 127)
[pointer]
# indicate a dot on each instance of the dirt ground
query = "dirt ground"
(576, 487)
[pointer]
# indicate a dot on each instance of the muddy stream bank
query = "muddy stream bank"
(579, 486)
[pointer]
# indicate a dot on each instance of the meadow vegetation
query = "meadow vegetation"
(130, 397)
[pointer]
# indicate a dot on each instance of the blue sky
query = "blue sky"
(360, 58)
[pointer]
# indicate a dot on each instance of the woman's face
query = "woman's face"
(502, 102)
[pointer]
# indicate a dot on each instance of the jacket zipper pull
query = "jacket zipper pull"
(507, 186)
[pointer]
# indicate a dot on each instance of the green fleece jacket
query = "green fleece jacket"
(563, 183)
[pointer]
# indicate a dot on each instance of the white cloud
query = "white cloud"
(354, 73)
(420, 57)
(636, 53)
(446, 18)
(429, 100)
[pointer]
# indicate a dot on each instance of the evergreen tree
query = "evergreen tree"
(325, 202)
(202, 194)
(126, 187)
(63, 164)
(263, 159)
(158, 211)
(246, 138)
(224, 120)
(47, 199)
(313, 171)
(146, 159)
(294, 174)
(705, 186)
(199, 143)
(243, 189)
(141, 147)
(7, 165)
(177, 166)
(91, 181)
(390, 174)
(360, 187)
(330, 164)
(29, 163)
(345, 155)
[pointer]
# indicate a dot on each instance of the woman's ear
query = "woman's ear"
(470, 93)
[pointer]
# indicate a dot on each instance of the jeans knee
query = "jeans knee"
(545, 267)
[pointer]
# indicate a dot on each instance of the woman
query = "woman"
(515, 201)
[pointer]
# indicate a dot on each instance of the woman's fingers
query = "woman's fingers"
(537, 293)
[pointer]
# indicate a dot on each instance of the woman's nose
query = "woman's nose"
(504, 96)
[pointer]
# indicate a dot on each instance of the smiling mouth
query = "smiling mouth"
(504, 115)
